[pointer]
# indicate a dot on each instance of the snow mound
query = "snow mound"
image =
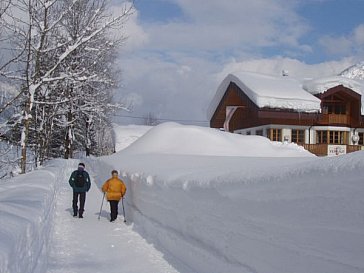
(177, 139)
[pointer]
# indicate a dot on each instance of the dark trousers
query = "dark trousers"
(82, 197)
(113, 209)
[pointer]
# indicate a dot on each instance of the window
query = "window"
(337, 109)
(337, 137)
(298, 136)
(331, 137)
(321, 137)
(274, 134)
(259, 132)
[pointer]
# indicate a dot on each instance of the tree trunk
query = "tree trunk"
(88, 141)
(69, 138)
(24, 137)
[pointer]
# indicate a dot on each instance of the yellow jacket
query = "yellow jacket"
(114, 188)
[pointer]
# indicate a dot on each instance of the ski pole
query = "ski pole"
(122, 202)
(101, 205)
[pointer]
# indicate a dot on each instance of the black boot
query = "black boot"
(75, 214)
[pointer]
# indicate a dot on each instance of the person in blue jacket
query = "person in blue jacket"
(80, 183)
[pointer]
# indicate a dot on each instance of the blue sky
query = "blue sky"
(182, 49)
(158, 10)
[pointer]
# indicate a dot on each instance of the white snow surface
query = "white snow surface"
(189, 212)
(268, 91)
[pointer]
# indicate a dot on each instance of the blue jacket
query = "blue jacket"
(87, 185)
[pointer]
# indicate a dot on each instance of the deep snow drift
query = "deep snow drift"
(209, 211)
(269, 208)
(172, 138)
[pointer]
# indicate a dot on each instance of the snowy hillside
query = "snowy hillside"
(354, 72)
(269, 208)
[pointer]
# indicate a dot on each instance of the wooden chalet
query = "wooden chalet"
(325, 116)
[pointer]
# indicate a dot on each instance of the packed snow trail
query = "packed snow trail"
(90, 245)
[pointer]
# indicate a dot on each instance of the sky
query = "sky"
(178, 51)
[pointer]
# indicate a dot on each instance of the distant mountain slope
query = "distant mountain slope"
(354, 72)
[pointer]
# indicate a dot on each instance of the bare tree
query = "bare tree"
(150, 119)
(90, 68)
(67, 73)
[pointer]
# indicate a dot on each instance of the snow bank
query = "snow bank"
(244, 214)
(26, 206)
(233, 214)
(173, 138)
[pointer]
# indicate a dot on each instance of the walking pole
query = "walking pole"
(122, 202)
(101, 205)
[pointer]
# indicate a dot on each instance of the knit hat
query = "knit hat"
(81, 165)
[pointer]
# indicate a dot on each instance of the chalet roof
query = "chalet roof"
(268, 91)
(321, 85)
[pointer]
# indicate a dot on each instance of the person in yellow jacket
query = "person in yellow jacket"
(115, 190)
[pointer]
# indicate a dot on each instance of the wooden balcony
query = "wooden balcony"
(333, 119)
(322, 149)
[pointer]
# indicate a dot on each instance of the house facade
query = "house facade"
(324, 116)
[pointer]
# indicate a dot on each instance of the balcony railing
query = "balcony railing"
(317, 149)
(333, 119)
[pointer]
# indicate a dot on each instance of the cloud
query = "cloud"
(229, 25)
(169, 90)
(346, 45)
(358, 35)
(130, 28)
(295, 68)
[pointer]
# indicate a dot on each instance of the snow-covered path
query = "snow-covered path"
(73, 247)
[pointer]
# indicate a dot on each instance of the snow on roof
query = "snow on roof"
(268, 91)
(321, 85)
